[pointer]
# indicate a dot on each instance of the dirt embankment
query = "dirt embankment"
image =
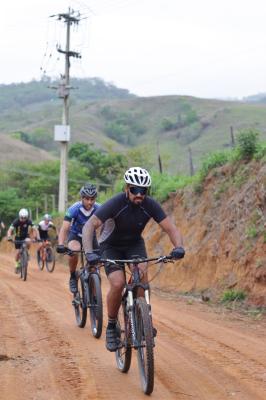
(223, 223)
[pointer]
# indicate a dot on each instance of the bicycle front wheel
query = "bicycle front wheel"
(50, 259)
(95, 304)
(80, 304)
(123, 354)
(144, 336)
(24, 265)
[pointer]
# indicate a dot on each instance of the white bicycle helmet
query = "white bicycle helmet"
(23, 213)
(137, 176)
(48, 217)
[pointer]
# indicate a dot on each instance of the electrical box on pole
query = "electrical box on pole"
(62, 133)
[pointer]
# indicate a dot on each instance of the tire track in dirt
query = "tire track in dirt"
(41, 339)
(242, 368)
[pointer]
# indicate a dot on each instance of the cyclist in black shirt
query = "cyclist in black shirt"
(124, 217)
(23, 229)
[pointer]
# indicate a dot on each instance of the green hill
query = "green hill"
(112, 118)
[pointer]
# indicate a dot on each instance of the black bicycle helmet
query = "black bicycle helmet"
(88, 190)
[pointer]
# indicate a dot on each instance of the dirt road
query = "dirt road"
(200, 353)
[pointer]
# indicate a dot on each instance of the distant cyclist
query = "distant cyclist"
(2, 226)
(71, 231)
(23, 229)
(43, 229)
(125, 216)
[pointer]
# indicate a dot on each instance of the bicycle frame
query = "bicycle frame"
(89, 296)
(131, 288)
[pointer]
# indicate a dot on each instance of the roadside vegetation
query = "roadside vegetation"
(36, 186)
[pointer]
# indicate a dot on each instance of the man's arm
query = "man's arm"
(63, 232)
(10, 231)
(88, 231)
(33, 232)
(172, 231)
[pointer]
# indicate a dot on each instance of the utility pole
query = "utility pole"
(62, 133)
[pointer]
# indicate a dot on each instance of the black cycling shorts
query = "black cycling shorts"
(18, 245)
(72, 236)
(44, 235)
(126, 251)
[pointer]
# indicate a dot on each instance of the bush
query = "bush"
(247, 141)
(233, 295)
(167, 124)
(260, 152)
(212, 161)
(163, 184)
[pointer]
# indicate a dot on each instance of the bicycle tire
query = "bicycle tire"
(40, 261)
(123, 355)
(50, 259)
(24, 265)
(80, 304)
(95, 305)
(144, 335)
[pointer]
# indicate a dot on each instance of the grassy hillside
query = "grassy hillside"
(119, 121)
(12, 150)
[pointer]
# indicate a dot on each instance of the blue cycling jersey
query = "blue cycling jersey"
(78, 216)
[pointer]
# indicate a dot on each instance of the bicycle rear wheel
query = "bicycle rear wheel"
(80, 304)
(144, 335)
(95, 304)
(50, 259)
(24, 265)
(40, 260)
(123, 355)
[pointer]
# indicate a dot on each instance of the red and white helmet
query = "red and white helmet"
(137, 176)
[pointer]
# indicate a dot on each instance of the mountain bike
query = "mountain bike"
(135, 322)
(88, 296)
(23, 257)
(46, 256)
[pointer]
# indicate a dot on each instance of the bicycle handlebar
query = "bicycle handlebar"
(22, 241)
(138, 260)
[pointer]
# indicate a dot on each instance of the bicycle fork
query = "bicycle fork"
(130, 308)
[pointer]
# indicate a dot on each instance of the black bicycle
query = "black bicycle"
(88, 296)
(135, 322)
(23, 257)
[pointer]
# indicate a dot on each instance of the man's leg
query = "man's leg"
(73, 262)
(114, 295)
(17, 258)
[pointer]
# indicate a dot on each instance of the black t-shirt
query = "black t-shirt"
(124, 221)
(21, 228)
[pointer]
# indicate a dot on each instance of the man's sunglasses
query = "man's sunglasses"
(138, 190)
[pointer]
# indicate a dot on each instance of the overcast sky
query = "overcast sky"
(206, 48)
